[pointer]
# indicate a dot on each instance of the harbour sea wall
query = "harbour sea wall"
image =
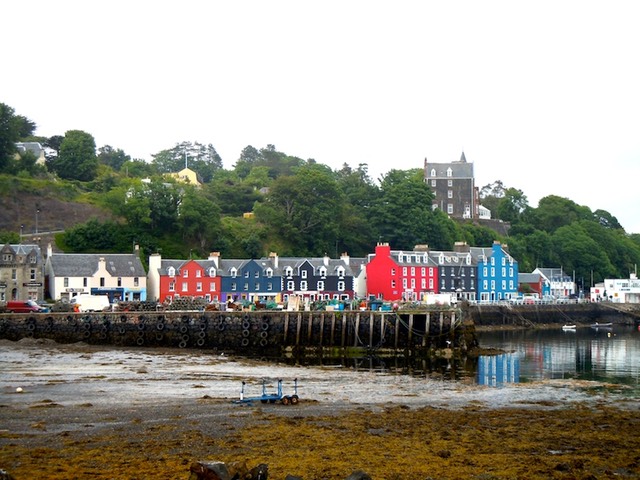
(272, 333)
(256, 332)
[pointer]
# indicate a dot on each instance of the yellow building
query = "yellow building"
(186, 175)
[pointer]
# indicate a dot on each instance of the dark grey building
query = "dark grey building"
(453, 185)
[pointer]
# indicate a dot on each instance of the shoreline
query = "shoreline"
(95, 412)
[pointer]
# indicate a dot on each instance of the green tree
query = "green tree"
(13, 128)
(202, 159)
(512, 205)
(112, 157)
(77, 159)
(554, 212)
(403, 215)
(199, 219)
(231, 194)
(305, 209)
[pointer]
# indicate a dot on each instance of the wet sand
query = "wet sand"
(125, 428)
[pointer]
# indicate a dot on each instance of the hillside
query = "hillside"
(54, 215)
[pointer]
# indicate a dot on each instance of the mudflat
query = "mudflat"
(66, 436)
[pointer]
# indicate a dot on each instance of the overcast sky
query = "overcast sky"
(542, 95)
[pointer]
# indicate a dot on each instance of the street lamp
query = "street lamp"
(37, 212)
(21, 231)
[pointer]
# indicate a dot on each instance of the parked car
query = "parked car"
(23, 306)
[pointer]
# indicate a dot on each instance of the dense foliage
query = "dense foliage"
(271, 201)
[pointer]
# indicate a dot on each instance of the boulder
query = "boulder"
(209, 471)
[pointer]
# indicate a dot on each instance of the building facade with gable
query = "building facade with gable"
(497, 273)
(119, 276)
(454, 189)
(21, 272)
(457, 272)
(401, 275)
(170, 279)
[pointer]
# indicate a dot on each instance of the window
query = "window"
(102, 281)
(256, 274)
(341, 286)
(340, 272)
(119, 281)
(233, 286)
(32, 259)
(290, 285)
(323, 272)
(320, 286)
(423, 283)
(431, 284)
(413, 283)
(269, 286)
(449, 193)
(404, 283)
(449, 208)
(85, 282)
(198, 286)
(493, 271)
(404, 271)
(393, 284)
(185, 273)
(246, 287)
(504, 272)
(185, 286)
(433, 172)
(413, 271)
(212, 287)
(171, 272)
(393, 271)
(246, 274)
(303, 285)
(256, 287)
(212, 272)
(136, 281)
(449, 172)
(172, 286)
(303, 274)
(484, 271)
(7, 257)
(269, 273)
(32, 274)
(234, 273)
(449, 183)
(288, 272)
(433, 182)
(423, 271)
(198, 273)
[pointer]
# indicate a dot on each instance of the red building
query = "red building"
(188, 278)
(400, 275)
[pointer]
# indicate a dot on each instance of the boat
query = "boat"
(601, 325)
(568, 327)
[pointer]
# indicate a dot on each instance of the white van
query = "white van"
(90, 303)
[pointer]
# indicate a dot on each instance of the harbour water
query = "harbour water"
(610, 355)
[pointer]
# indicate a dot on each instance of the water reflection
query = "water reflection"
(498, 370)
(600, 354)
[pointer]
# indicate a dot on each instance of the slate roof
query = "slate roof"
(86, 264)
(24, 250)
(459, 169)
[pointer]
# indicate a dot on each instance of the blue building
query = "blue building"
(497, 273)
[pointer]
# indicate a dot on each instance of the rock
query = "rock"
(5, 476)
(292, 477)
(359, 475)
(261, 472)
(209, 471)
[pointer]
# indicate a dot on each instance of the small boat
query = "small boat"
(568, 327)
(601, 325)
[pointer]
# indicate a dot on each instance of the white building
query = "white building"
(626, 290)
(119, 276)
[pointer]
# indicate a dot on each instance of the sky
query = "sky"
(543, 96)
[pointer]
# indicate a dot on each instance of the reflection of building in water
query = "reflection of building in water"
(497, 370)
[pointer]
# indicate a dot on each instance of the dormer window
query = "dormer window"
(212, 272)
(234, 272)
(171, 272)
(449, 172)
(323, 272)
(340, 272)
(433, 172)
(269, 272)
(288, 272)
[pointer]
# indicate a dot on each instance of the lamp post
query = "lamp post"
(37, 212)
(21, 231)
